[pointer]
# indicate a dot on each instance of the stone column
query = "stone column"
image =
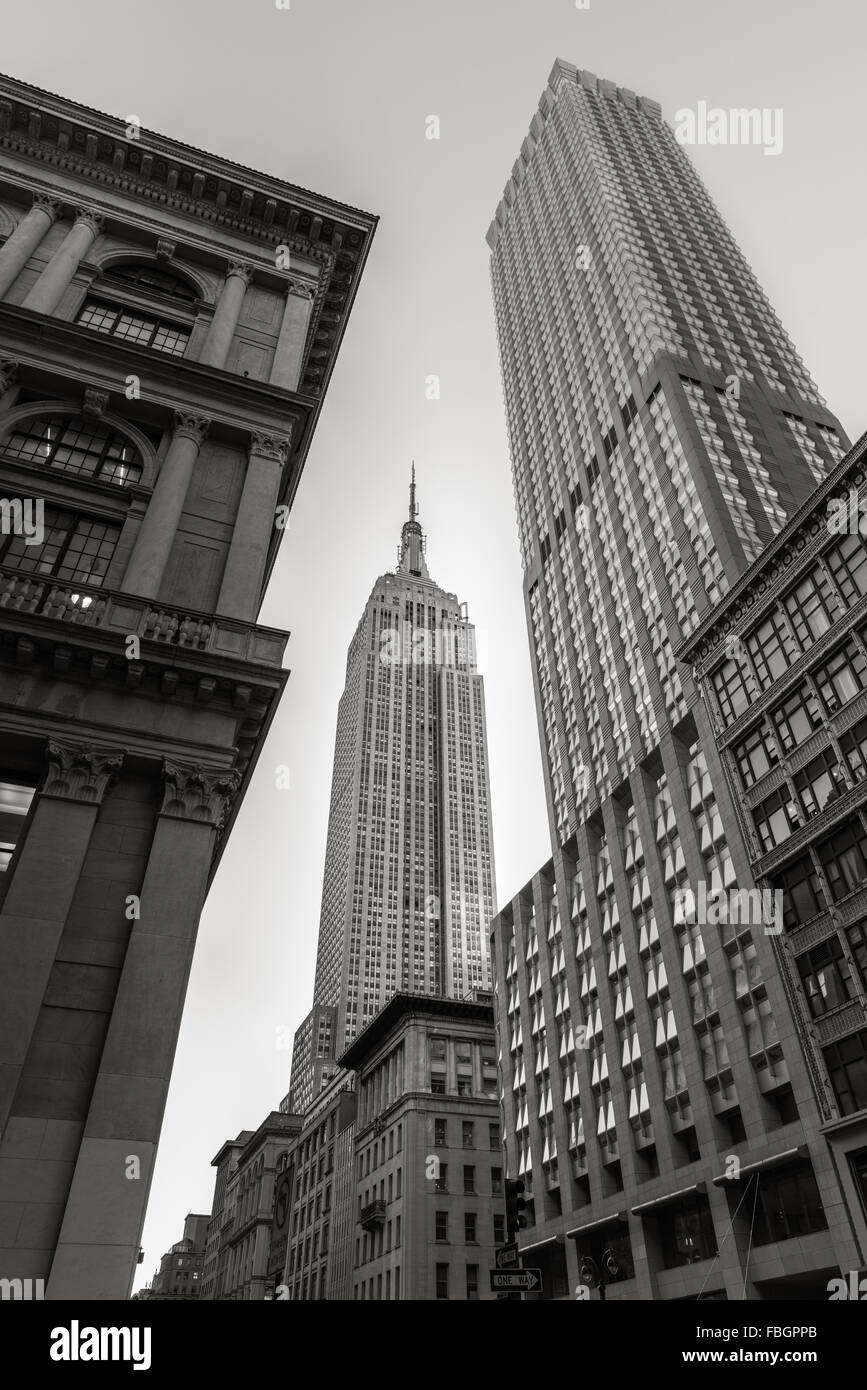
(289, 354)
(254, 524)
(228, 311)
(19, 247)
(99, 1239)
(40, 894)
(150, 553)
(46, 294)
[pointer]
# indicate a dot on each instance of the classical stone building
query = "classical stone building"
(781, 664)
(168, 326)
(316, 1237)
(240, 1229)
(663, 431)
(428, 1172)
(181, 1268)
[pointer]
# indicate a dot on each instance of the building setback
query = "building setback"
(781, 664)
(408, 889)
(429, 1205)
(663, 430)
(169, 322)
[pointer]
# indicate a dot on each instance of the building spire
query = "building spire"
(412, 559)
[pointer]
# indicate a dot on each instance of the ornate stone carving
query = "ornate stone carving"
(166, 249)
(79, 772)
(270, 446)
(300, 289)
(85, 217)
(95, 402)
(191, 426)
(243, 269)
(50, 206)
(8, 372)
(197, 793)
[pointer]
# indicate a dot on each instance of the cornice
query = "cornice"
(52, 128)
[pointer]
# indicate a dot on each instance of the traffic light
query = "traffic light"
(515, 1203)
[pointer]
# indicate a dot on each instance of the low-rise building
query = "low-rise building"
(428, 1163)
(180, 1274)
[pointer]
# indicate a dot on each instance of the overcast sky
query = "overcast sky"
(333, 95)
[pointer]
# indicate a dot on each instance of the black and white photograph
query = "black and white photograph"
(433, 677)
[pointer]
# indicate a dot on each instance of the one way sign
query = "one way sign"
(527, 1280)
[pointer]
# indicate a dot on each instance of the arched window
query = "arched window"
(74, 444)
(144, 305)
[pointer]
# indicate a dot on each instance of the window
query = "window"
(826, 977)
(465, 1086)
(472, 1282)
(842, 677)
(820, 782)
(438, 1050)
(467, 1139)
(687, 1234)
(470, 1227)
(441, 1225)
(811, 607)
(441, 1183)
(771, 649)
(731, 689)
(499, 1228)
(858, 1168)
(854, 746)
(847, 561)
(437, 1084)
(73, 547)
(802, 893)
(469, 1177)
(74, 444)
(463, 1050)
(442, 1281)
(141, 329)
(797, 717)
(775, 818)
(440, 1134)
(494, 1136)
(150, 280)
(15, 800)
(756, 755)
(847, 1067)
(787, 1205)
(857, 938)
(496, 1180)
(844, 859)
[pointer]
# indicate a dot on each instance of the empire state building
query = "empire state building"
(409, 889)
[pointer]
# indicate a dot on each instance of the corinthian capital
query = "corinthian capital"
(269, 446)
(79, 772)
(85, 217)
(191, 426)
(243, 269)
(300, 289)
(197, 793)
(50, 206)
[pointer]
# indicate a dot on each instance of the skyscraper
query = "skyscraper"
(408, 892)
(662, 431)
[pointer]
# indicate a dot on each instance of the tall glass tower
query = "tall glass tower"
(409, 890)
(662, 429)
